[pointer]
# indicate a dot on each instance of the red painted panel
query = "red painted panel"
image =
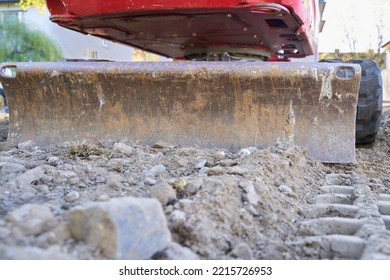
(94, 7)
(168, 26)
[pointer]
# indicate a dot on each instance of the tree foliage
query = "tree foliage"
(379, 58)
(39, 4)
(20, 43)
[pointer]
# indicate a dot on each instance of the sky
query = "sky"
(349, 21)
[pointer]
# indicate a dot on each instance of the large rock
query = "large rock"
(25, 179)
(32, 219)
(31, 253)
(11, 167)
(123, 228)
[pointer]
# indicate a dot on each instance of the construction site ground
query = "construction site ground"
(123, 200)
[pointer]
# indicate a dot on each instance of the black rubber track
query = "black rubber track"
(370, 101)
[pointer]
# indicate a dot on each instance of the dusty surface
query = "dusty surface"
(253, 204)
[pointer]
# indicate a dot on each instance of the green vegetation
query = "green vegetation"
(379, 58)
(20, 43)
(39, 4)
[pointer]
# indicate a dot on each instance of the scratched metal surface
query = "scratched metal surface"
(219, 104)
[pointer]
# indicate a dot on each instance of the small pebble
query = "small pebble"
(286, 190)
(73, 180)
(26, 145)
(242, 251)
(215, 171)
(220, 155)
(161, 145)
(150, 181)
(244, 153)
(100, 179)
(163, 192)
(155, 170)
(123, 149)
(42, 188)
(200, 164)
(82, 186)
(103, 197)
(72, 196)
(54, 161)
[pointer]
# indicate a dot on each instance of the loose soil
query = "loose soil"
(247, 205)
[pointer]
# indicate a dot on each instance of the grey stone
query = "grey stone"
(31, 253)
(82, 186)
(249, 207)
(182, 162)
(42, 188)
(220, 155)
(68, 174)
(72, 196)
(286, 190)
(177, 252)
(123, 228)
(47, 238)
(73, 180)
(204, 171)
(12, 167)
(62, 231)
(269, 219)
(26, 145)
(216, 170)
(163, 192)
(123, 149)
(25, 179)
(46, 179)
(184, 202)
(177, 218)
(169, 209)
(236, 170)
(114, 181)
(103, 197)
(193, 186)
(161, 145)
(201, 164)
(250, 194)
(155, 170)
(228, 162)
(100, 179)
(150, 181)
(69, 167)
(32, 219)
(376, 181)
(54, 161)
(242, 251)
(244, 153)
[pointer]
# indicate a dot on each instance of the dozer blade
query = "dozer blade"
(210, 104)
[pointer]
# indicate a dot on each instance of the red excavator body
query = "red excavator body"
(182, 29)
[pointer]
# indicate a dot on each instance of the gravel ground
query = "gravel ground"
(125, 200)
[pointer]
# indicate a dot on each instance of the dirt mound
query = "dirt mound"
(217, 204)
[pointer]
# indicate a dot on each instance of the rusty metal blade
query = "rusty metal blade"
(211, 104)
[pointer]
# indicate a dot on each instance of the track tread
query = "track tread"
(355, 227)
